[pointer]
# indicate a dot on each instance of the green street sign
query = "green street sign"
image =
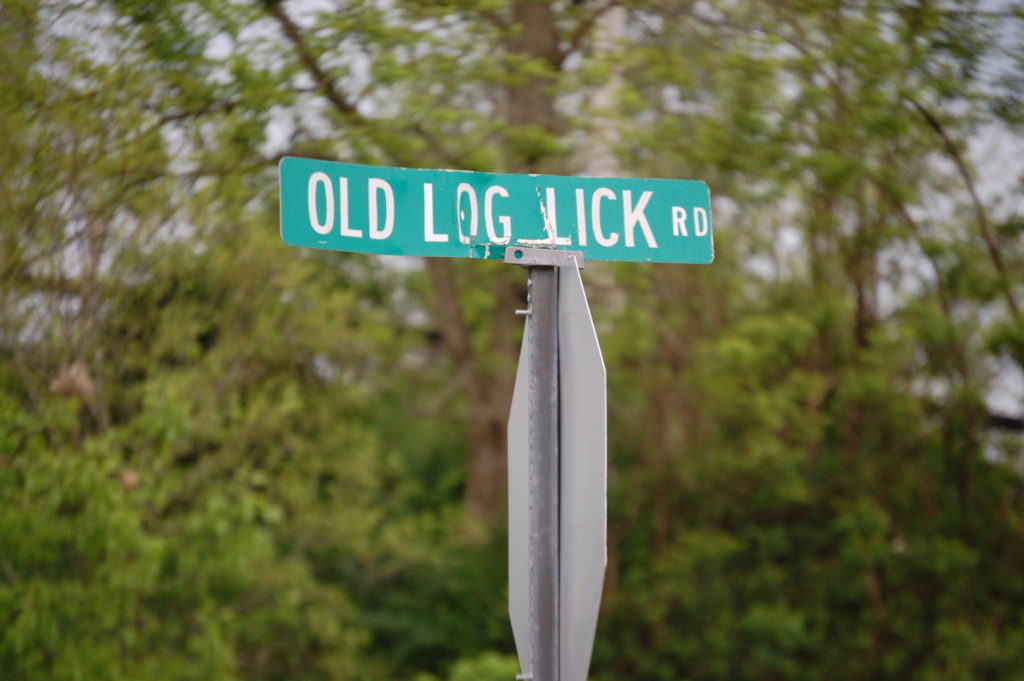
(462, 214)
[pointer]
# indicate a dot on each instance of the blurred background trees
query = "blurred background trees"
(221, 458)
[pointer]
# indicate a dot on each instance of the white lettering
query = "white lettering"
(376, 232)
(551, 219)
(679, 221)
(581, 217)
(634, 215)
(343, 205)
(428, 216)
(700, 222)
(314, 215)
(464, 188)
(506, 221)
(595, 216)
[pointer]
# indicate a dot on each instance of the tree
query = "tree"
(841, 381)
(223, 458)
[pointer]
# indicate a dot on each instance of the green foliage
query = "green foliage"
(221, 458)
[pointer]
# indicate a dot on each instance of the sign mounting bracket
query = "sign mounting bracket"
(542, 257)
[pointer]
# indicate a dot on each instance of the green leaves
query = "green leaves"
(221, 458)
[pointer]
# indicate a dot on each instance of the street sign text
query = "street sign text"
(453, 213)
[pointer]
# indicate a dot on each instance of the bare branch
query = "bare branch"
(326, 85)
(979, 209)
(582, 29)
(323, 80)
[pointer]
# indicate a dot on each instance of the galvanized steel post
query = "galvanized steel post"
(544, 472)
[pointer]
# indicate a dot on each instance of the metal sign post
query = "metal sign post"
(543, 467)
(557, 474)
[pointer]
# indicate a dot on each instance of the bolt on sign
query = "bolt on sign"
(454, 213)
